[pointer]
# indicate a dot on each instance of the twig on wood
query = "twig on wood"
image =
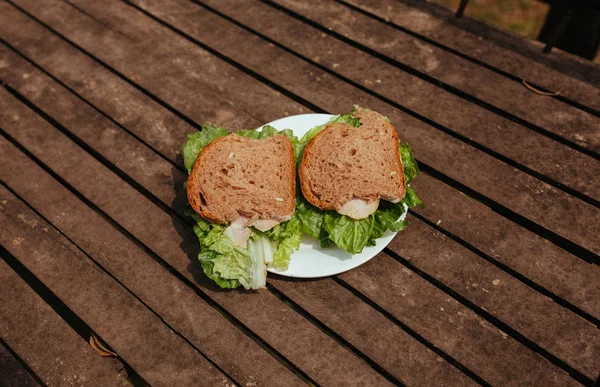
(538, 91)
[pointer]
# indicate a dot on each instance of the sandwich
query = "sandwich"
(241, 190)
(355, 179)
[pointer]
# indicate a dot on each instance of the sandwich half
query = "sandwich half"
(242, 189)
(354, 176)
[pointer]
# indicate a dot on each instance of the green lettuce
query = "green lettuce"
(224, 262)
(350, 234)
(198, 140)
(287, 237)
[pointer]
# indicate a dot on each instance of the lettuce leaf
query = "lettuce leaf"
(198, 140)
(409, 164)
(287, 236)
(350, 234)
(222, 261)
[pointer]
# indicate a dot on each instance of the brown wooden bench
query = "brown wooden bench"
(495, 282)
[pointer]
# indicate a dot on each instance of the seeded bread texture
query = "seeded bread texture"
(235, 175)
(343, 162)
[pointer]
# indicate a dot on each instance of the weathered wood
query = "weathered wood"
(477, 81)
(506, 242)
(84, 121)
(305, 345)
(459, 197)
(476, 46)
(533, 150)
(579, 284)
(132, 330)
(40, 337)
(12, 372)
(526, 195)
(533, 315)
(450, 326)
(372, 333)
(176, 53)
(108, 138)
(115, 209)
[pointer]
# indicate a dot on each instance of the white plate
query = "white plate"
(311, 260)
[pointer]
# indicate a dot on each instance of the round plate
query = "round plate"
(311, 260)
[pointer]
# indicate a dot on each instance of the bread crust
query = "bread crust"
(305, 183)
(194, 184)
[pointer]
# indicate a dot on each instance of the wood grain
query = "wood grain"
(532, 198)
(480, 47)
(578, 328)
(136, 334)
(40, 337)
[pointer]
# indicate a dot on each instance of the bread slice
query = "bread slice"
(237, 176)
(342, 163)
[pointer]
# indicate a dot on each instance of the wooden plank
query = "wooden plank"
(39, 336)
(375, 335)
(528, 196)
(114, 142)
(579, 285)
(12, 372)
(74, 124)
(133, 62)
(536, 265)
(535, 316)
(550, 114)
(480, 48)
(85, 124)
(450, 326)
(323, 359)
(537, 259)
(131, 99)
(135, 333)
(533, 150)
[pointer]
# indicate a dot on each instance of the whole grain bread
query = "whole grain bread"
(343, 162)
(238, 176)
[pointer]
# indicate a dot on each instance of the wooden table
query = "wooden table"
(495, 282)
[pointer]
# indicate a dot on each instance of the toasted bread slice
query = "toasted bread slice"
(342, 163)
(237, 176)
